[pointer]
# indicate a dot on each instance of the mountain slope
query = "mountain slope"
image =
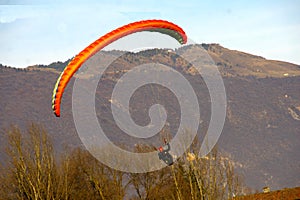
(261, 132)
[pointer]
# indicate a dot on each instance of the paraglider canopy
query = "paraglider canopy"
(160, 26)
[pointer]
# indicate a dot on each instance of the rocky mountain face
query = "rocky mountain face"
(261, 131)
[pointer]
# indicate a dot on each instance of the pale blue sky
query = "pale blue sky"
(41, 32)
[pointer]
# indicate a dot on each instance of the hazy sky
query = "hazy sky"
(41, 32)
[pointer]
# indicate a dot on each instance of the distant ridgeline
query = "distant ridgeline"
(59, 66)
(5, 68)
(230, 63)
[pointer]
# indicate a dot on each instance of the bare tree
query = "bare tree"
(32, 171)
(211, 177)
(90, 179)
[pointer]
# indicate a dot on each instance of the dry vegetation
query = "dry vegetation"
(34, 171)
(284, 194)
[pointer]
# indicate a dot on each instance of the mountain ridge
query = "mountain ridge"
(229, 62)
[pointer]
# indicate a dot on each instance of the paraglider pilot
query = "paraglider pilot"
(164, 155)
